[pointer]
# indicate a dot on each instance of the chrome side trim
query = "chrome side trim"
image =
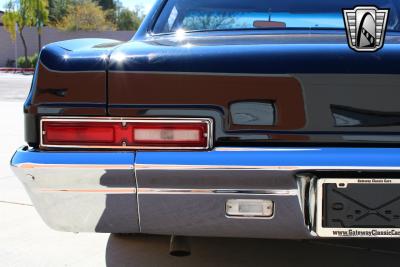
(27, 166)
(266, 168)
(208, 121)
(174, 191)
(121, 190)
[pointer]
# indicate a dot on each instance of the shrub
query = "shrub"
(22, 63)
(33, 60)
(31, 63)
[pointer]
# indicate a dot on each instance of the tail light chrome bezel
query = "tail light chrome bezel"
(125, 120)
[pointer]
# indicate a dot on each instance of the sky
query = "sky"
(147, 4)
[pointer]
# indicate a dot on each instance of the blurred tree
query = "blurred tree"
(107, 4)
(41, 11)
(58, 9)
(125, 20)
(138, 16)
(20, 14)
(128, 20)
(85, 15)
(111, 15)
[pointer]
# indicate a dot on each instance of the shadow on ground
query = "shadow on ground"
(142, 250)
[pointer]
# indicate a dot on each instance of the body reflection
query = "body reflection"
(120, 205)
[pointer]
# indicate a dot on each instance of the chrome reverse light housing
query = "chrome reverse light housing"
(126, 133)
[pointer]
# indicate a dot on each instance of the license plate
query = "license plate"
(364, 207)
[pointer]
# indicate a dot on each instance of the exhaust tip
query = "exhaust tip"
(179, 246)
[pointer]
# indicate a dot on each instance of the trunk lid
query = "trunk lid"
(301, 87)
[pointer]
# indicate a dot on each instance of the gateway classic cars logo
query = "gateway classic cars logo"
(365, 27)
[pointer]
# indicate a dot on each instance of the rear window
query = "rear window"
(217, 15)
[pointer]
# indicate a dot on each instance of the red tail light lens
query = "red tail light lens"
(126, 133)
(91, 133)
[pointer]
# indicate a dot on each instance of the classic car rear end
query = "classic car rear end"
(250, 119)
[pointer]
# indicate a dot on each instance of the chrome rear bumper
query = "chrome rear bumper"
(184, 193)
(81, 192)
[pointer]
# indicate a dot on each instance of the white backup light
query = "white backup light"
(249, 208)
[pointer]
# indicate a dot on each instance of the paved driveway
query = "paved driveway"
(14, 87)
(26, 241)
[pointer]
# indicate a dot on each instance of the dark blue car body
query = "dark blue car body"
(285, 109)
